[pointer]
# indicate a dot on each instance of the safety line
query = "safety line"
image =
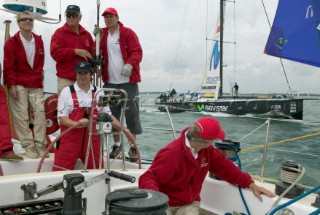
(279, 142)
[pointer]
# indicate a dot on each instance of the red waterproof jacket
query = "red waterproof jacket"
(6, 146)
(131, 52)
(175, 172)
(16, 69)
(63, 43)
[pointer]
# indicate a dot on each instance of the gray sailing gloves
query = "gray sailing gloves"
(127, 69)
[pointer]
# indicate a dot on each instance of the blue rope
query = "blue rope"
(294, 200)
(240, 189)
(316, 212)
(238, 161)
(244, 200)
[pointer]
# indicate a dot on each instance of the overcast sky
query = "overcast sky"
(173, 37)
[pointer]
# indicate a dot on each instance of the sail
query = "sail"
(295, 32)
(211, 81)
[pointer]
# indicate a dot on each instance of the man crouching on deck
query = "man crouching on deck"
(74, 107)
(179, 169)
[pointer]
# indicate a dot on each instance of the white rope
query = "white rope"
(300, 153)
(253, 131)
(289, 177)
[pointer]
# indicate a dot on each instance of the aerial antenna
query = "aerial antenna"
(57, 21)
(97, 59)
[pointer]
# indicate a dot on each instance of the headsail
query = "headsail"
(295, 34)
(211, 81)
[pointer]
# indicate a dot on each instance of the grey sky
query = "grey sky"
(172, 35)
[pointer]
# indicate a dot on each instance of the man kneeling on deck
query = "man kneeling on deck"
(179, 169)
(74, 107)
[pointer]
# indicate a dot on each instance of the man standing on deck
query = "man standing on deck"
(70, 44)
(23, 74)
(236, 90)
(179, 169)
(6, 145)
(74, 106)
(122, 55)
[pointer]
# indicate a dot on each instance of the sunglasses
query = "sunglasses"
(72, 15)
(25, 19)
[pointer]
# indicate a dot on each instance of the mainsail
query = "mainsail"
(211, 81)
(295, 33)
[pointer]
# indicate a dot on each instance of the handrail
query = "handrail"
(279, 207)
(1, 171)
(264, 154)
(171, 123)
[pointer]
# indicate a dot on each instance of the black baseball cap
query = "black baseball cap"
(73, 9)
(83, 66)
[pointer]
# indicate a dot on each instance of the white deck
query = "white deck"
(218, 197)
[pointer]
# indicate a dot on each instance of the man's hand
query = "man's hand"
(83, 122)
(96, 30)
(13, 92)
(127, 69)
(83, 53)
(257, 191)
(99, 72)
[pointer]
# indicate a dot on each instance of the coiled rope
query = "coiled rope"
(292, 176)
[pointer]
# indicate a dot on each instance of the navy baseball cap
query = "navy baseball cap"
(83, 66)
(73, 9)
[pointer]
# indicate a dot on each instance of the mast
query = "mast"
(221, 48)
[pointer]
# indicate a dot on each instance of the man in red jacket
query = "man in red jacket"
(70, 44)
(179, 169)
(6, 145)
(122, 55)
(23, 75)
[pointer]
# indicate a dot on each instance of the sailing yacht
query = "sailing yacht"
(294, 40)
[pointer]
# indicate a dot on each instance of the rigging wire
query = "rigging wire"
(180, 42)
(234, 39)
(235, 43)
(281, 62)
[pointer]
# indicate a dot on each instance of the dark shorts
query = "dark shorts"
(132, 109)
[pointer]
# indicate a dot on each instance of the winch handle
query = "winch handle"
(122, 176)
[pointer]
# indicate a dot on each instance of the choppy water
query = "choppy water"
(305, 151)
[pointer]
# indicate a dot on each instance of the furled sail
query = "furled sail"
(295, 33)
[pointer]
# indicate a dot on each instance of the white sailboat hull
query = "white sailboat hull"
(217, 197)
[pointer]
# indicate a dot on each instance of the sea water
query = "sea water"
(289, 136)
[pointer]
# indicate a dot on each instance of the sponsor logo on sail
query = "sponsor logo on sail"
(282, 42)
